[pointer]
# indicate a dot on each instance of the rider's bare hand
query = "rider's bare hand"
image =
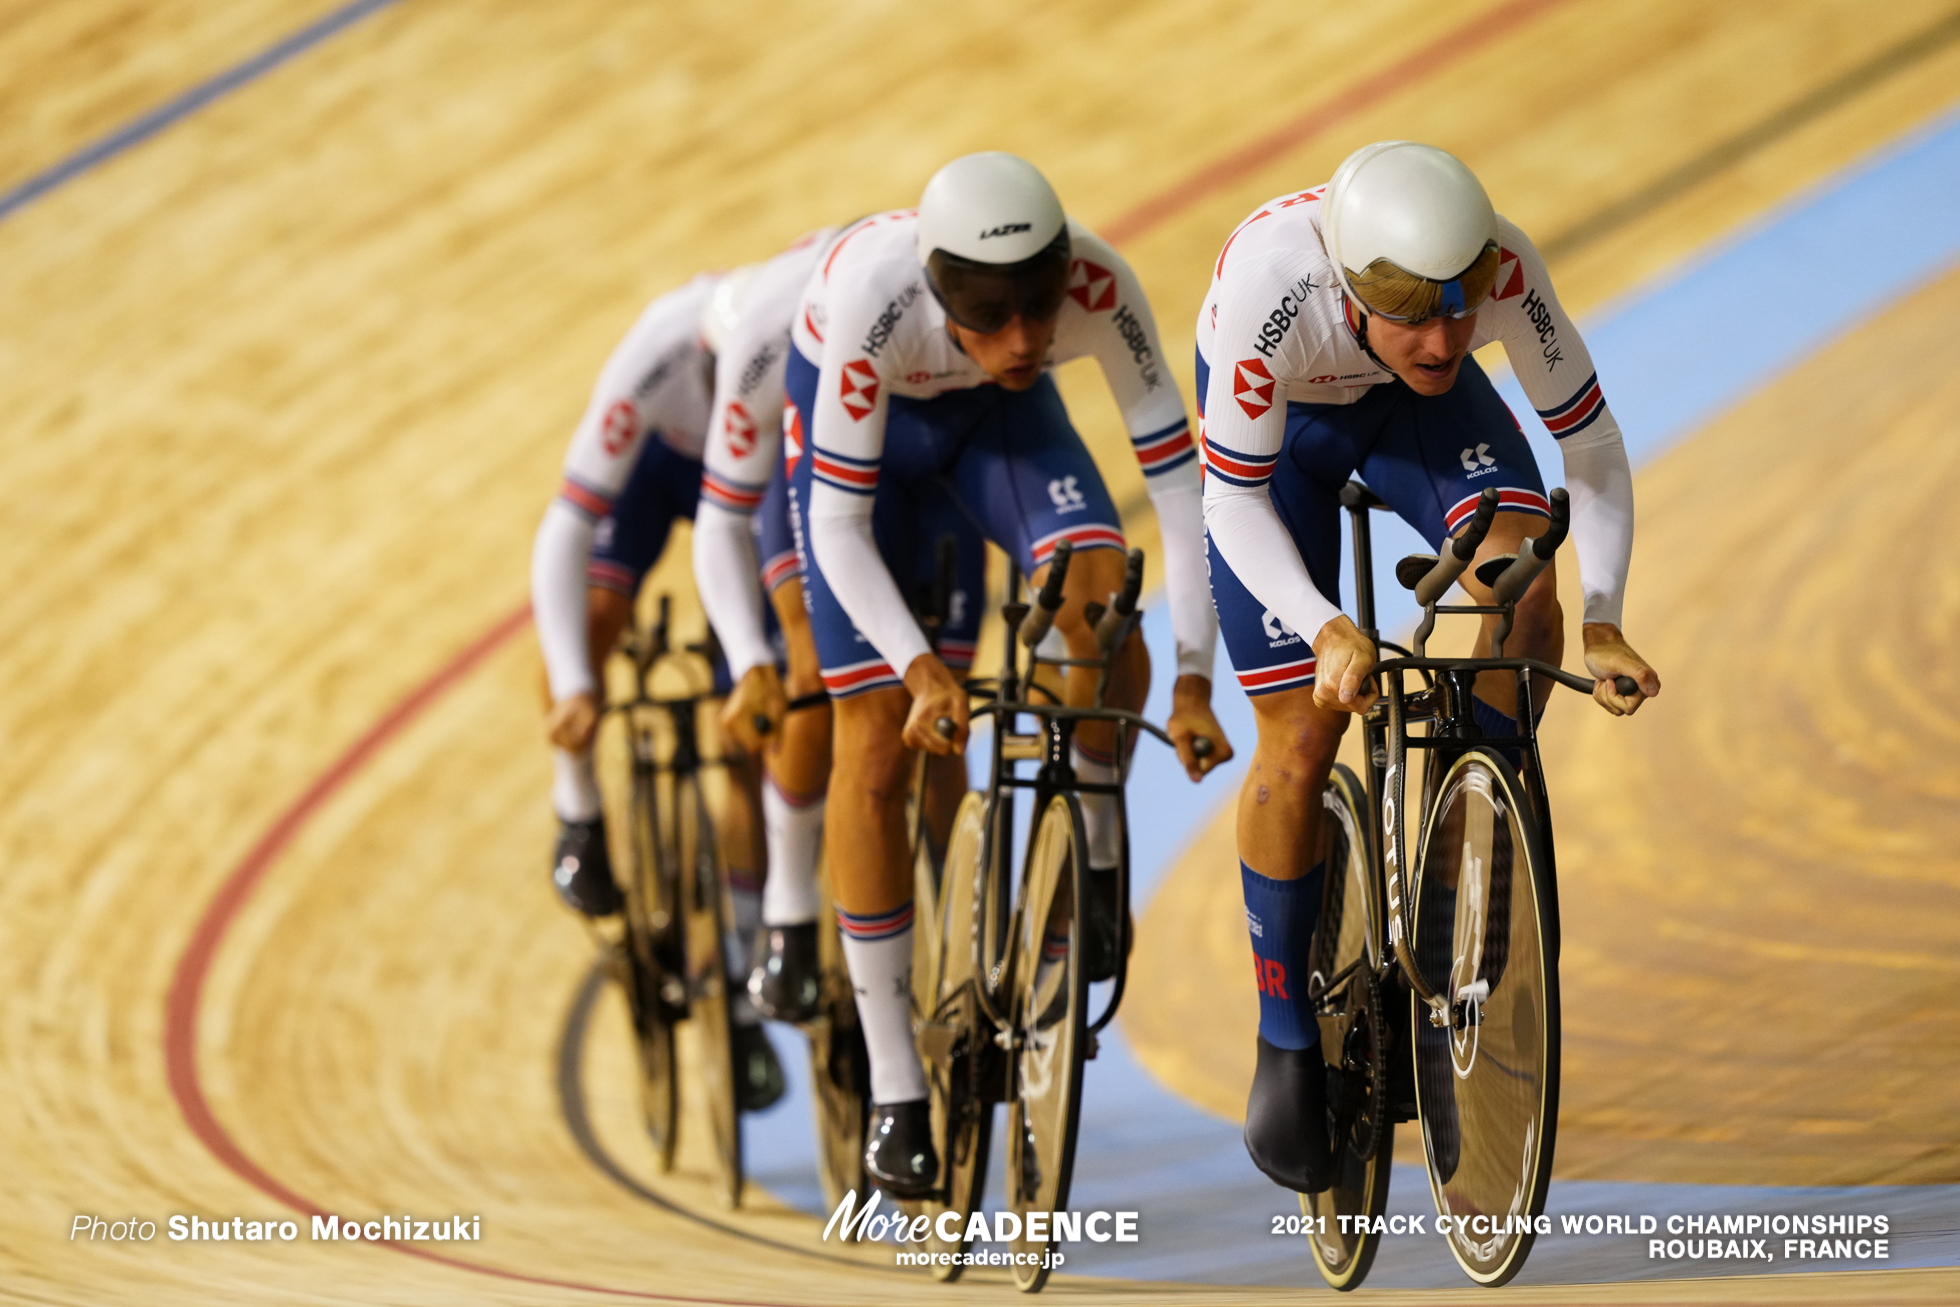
(1192, 719)
(573, 721)
(759, 694)
(936, 693)
(1344, 661)
(1608, 655)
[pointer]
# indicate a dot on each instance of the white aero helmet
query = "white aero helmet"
(994, 241)
(1410, 231)
(724, 307)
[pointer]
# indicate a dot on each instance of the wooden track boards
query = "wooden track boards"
(287, 388)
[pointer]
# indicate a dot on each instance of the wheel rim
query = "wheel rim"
(652, 1011)
(1487, 1082)
(1049, 1002)
(944, 996)
(707, 985)
(1352, 1031)
(839, 1068)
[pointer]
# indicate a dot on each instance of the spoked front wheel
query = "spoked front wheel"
(1354, 1033)
(1487, 1074)
(953, 1033)
(840, 1070)
(709, 1016)
(656, 994)
(1050, 1007)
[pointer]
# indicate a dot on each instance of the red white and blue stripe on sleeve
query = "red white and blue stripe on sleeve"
(1161, 451)
(728, 493)
(859, 476)
(781, 568)
(876, 925)
(584, 500)
(1236, 469)
(1577, 413)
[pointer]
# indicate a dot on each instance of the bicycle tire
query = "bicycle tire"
(654, 993)
(840, 1067)
(709, 1017)
(1050, 1015)
(1487, 1083)
(1354, 1033)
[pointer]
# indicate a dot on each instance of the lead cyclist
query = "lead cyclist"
(920, 399)
(1336, 338)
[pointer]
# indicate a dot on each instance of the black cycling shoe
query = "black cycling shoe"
(758, 1074)
(1286, 1118)
(785, 983)
(898, 1154)
(1101, 933)
(581, 869)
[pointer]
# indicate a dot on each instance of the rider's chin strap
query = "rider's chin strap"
(1357, 325)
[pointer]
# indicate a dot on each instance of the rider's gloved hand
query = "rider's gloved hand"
(758, 694)
(1191, 718)
(573, 721)
(1344, 659)
(936, 693)
(1608, 655)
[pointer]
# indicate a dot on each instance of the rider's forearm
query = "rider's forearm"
(1248, 532)
(560, 555)
(1181, 524)
(1601, 484)
(730, 583)
(841, 539)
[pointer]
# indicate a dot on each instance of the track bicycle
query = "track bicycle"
(1436, 986)
(1001, 996)
(671, 958)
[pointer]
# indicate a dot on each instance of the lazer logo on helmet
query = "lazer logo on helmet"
(1007, 229)
(1273, 330)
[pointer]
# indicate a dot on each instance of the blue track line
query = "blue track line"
(142, 129)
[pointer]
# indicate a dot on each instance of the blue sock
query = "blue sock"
(1281, 916)
(1499, 726)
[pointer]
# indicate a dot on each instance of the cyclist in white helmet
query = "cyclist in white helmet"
(1336, 339)
(920, 398)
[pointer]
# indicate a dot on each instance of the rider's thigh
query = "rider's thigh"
(608, 612)
(804, 676)
(1293, 726)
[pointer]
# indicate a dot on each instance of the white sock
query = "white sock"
(574, 786)
(878, 950)
(745, 905)
(794, 829)
(1098, 810)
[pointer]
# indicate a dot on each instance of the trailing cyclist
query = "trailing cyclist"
(633, 467)
(1336, 337)
(920, 397)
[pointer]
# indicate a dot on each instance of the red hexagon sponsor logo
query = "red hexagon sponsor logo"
(740, 428)
(1252, 386)
(859, 389)
(1322, 380)
(1092, 286)
(1510, 277)
(619, 426)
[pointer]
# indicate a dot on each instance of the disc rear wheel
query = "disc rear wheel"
(1487, 1077)
(1347, 955)
(1050, 1006)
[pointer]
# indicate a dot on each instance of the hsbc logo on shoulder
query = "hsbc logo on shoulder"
(858, 388)
(1510, 276)
(1252, 386)
(1092, 286)
(1273, 330)
(740, 428)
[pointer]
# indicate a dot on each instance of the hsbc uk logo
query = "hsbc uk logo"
(740, 428)
(859, 389)
(1252, 386)
(1092, 286)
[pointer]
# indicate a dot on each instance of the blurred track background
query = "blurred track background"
(286, 384)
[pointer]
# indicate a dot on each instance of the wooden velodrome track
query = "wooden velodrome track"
(287, 387)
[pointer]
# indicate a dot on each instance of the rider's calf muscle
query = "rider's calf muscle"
(1280, 805)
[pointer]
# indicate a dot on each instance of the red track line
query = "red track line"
(187, 984)
(1240, 163)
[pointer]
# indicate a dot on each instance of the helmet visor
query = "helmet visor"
(1393, 292)
(985, 297)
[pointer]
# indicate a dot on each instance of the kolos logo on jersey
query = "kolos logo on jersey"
(1067, 495)
(1092, 286)
(859, 389)
(1474, 459)
(618, 427)
(1252, 386)
(740, 429)
(1277, 632)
